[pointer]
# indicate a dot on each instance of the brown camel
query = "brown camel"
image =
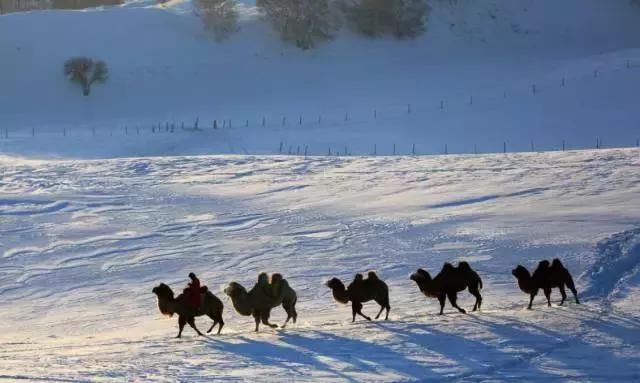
(362, 290)
(262, 298)
(210, 306)
(448, 283)
(545, 277)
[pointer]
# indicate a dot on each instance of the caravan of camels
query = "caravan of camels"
(269, 292)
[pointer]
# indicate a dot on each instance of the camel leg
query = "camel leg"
(547, 293)
(181, 323)
(217, 320)
(533, 295)
(575, 295)
(265, 319)
(358, 310)
(476, 293)
(453, 298)
(380, 312)
(564, 295)
(384, 304)
(256, 317)
(192, 323)
(442, 298)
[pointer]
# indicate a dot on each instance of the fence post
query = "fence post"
(375, 150)
(394, 149)
(408, 108)
(564, 145)
(229, 123)
(33, 132)
(346, 151)
(290, 150)
(346, 116)
(64, 132)
(298, 151)
(264, 122)
(441, 104)
(280, 150)
(446, 149)
(504, 147)
(300, 121)
(533, 148)
(563, 82)
(375, 114)
(137, 130)
(93, 131)
(413, 149)
(284, 121)
(246, 124)
(329, 150)
(306, 149)
(470, 100)
(126, 130)
(534, 89)
(215, 124)
(319, 119)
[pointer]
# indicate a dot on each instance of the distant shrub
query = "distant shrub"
(86, 72)
(304, 23)
(404, 19)
(220, 17)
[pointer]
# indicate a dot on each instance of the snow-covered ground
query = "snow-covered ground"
(83, 242)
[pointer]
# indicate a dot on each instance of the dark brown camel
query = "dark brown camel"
(210, 306)
(362, 290)
(545, 278)
(448, 283)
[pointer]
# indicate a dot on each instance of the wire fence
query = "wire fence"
(322, 122)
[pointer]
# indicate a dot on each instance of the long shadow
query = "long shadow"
(316, 349)
(475, 360)
(360, 354)
(273, 355)
(571, 350)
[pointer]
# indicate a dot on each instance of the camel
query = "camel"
(362, 290)
(210, 306)
(262, 298)
(545, 277)
(448, 283)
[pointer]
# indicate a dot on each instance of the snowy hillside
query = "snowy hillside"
(485, 72)
(82, 243)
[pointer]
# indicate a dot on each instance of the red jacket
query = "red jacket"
(194, 293)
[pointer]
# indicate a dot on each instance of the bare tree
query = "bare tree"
(86, 72)
(303, 22)
(219, 17)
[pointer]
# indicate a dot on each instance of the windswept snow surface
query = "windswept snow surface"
(82, 243)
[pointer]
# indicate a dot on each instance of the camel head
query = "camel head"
(235, 290)
(338, 289)
(165, 299)
(521, 273)
(420, 277)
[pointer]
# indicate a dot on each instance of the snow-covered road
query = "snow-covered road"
(82, 243)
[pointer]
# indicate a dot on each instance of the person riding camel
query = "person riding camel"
(193, 291)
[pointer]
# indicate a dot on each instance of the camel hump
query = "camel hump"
(557, 264)
(204, 289)
(543, 264)
(372, 275)
(464, 266)
(358, 277)
(263, 278)
(447, 267)
(276, 278)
